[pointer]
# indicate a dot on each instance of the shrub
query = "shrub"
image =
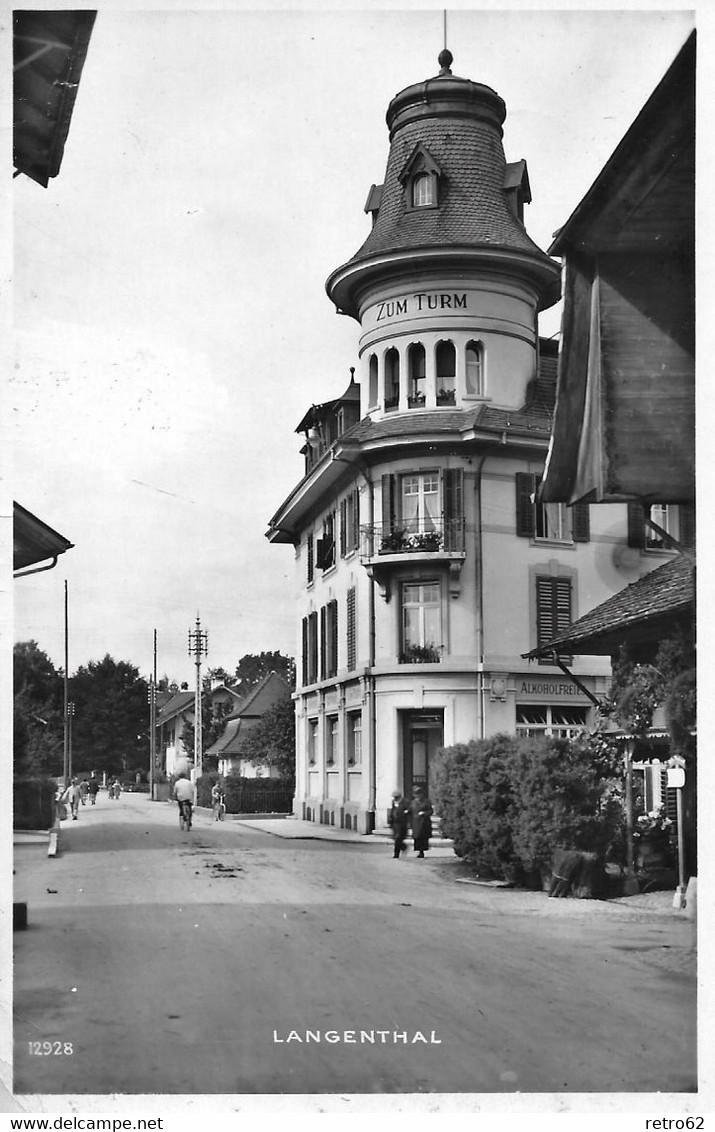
(510, 802)
(33, 803)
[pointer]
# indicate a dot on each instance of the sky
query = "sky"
(171, 325)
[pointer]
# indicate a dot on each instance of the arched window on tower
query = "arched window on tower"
(446, 373)
(424, 191)
(392, 379)
(416, 371)
(474, 369)
(372, 380)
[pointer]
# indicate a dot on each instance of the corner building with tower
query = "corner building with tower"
(425, 568)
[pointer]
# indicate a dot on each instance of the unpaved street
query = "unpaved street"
(194, 963)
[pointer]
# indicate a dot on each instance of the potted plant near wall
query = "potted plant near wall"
(420, 654)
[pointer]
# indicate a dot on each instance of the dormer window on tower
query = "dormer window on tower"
(421, 179)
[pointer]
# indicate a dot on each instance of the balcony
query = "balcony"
(437, 541)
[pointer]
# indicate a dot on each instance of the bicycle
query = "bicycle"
(185, 815)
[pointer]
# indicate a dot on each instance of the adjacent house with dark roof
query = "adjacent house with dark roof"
(424, 562)
(250, 710)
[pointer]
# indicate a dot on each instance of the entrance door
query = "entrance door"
(422, 736)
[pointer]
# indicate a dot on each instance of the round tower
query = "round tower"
(448, 285)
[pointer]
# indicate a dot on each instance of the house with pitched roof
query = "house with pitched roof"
(424, 560)
(249, 712)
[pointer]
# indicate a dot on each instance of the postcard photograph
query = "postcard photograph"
(352, 396)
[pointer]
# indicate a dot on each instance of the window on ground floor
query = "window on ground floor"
(545, 719)
(354, 738)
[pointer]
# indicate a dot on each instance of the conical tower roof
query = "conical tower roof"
(457, 123)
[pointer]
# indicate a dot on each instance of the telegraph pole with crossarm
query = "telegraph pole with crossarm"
(198, 647)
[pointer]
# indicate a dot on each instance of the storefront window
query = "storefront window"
(543, 719)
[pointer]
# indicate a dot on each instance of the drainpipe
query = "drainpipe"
(481, 692)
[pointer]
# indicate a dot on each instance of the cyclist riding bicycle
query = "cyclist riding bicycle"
(218, 799)
(185, 795)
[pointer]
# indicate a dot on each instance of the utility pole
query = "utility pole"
(70, 717)
(152, 734)
(198, 647)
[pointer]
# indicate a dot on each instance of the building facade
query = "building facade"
(425, 567)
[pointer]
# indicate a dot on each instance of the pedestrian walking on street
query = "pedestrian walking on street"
(93, 791)
(71, 798)
(420, 819)
(398, 820)
(83, 791)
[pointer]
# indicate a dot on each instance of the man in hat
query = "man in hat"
(398, 819)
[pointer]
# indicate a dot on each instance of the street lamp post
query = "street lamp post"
(198, 647)
(152, 734)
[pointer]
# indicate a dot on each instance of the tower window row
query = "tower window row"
(409, 379)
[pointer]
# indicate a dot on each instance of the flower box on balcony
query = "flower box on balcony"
(416, 401)
(420, 654)
(431, 540)
(391, 403)
(393, 542)
(446, 397)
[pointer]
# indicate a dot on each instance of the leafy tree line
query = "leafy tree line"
(110, 725)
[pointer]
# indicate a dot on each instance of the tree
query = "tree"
(110, 730)
(271, 741)
(38, 726)
(253, 667)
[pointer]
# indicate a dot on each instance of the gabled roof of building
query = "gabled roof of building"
(49, 49)
(268, 692)
(643, 611)
(315, 413)
(179, 702)
(33, 540)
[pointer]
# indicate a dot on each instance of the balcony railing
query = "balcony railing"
(414, 537)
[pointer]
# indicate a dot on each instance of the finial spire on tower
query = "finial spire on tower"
(445, 57)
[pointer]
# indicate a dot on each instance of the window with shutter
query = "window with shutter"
(351, 634)
(312, 647)
(453, 509)
(525, 488)
(311, 557)
(323, 644)
(581, 522)
(343, 527)
(304, 666)
(687, 525)
(553, 609)
(331, 639)
(636, 525)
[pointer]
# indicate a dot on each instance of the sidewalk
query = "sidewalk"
(297, 829)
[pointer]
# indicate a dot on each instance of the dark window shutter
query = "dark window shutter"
(581, 522)
(343, 527)
(332, 638)
(304, 667)
(312, 648)
(453, 509)
(323, 642)
(553, 608)
(525, 487)
(351, 642)
(311, 556)
(687, 524)
(356, 519)
(636, 525)
(388, 503)
(320, 554)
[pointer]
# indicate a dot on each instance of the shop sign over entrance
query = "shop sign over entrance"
(550, 690)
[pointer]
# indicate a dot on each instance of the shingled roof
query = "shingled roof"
(643, 611)
(458, 123)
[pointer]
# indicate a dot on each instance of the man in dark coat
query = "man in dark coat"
(399, 819)
(421, 820)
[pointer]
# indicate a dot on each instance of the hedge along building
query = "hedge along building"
(425, 569)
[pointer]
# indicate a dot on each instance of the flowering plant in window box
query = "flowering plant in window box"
(420, 654)
(416, 400)
(391, 402)
(393, 541)
(446, 396)
(431, 540)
